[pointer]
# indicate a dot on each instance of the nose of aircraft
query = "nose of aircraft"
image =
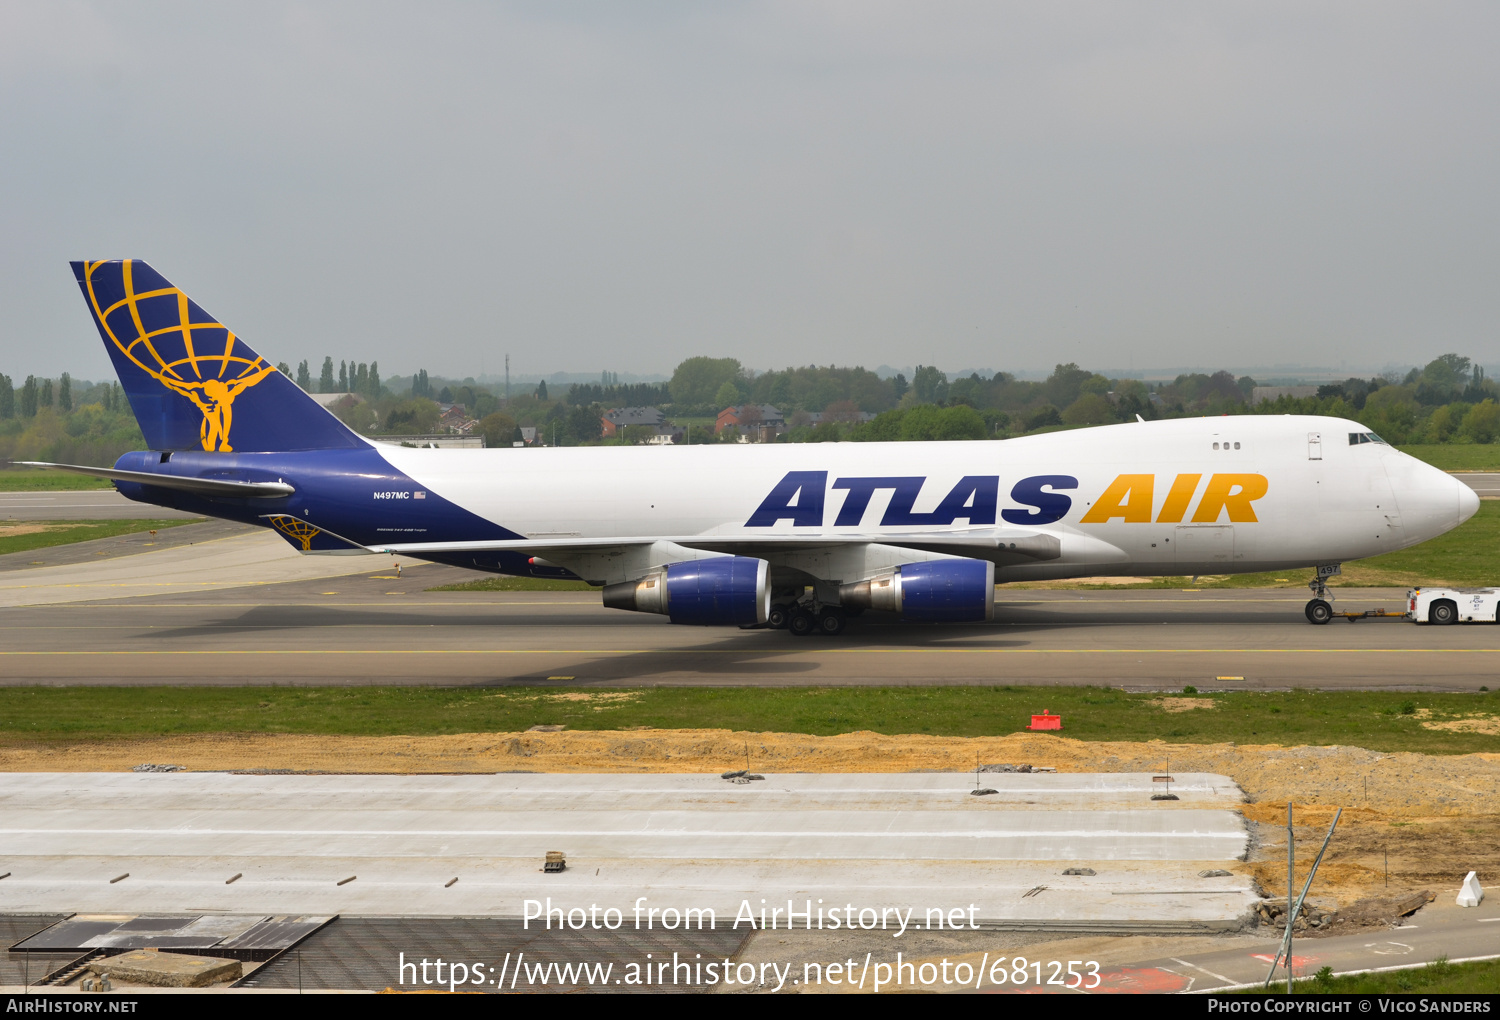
(1431, 501)
(1468, 501)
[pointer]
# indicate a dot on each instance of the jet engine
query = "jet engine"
(938, 591)
(718, 591)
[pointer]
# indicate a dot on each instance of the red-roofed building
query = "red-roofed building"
(759, 422)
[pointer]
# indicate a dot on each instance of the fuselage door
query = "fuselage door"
(1315, 446)
(1204, 547)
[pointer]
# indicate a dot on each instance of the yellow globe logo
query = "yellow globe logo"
(295, 529)
(194, 359)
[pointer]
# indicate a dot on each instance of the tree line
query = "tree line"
(1449, 400)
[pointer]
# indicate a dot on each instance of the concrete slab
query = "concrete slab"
(395, 845)
(167, 970)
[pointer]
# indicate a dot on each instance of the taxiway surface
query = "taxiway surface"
(374, 627)
(219, 603)
(80, 505)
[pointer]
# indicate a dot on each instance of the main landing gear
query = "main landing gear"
(801, 621)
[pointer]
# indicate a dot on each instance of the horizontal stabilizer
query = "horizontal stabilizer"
(198, 486)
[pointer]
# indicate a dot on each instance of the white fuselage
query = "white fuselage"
(1203, 495)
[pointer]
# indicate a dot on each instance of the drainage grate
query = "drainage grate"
(27, 968)
(250, 937)
(364, 953)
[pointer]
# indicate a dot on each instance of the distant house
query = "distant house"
(849, 417)
(455, 418)
(760, 422)
(443, 441)
(528, 435)
(1261, 394)
(622, 418)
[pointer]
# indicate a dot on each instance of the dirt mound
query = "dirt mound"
(1393, 785)
(1314, 921)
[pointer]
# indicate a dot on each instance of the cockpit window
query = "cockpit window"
(1355, 438)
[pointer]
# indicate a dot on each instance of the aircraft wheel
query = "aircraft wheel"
(830, 623)
(776, 619)
(800, 623)
(1318, 611)
(1443, 612)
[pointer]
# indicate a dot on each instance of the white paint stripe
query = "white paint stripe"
(1219, 977)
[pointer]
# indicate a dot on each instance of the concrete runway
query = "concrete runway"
(1486, 483)
(371, 628)
(878, 841)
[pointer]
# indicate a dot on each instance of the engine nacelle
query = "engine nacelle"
(938, 591)
(720, 591)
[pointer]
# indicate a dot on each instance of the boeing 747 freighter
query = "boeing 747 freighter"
(795, 536)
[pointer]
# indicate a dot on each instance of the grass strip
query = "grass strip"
(1440, 977)
(24, 536)
(1384, 721)
(43, 480)
(1457, 456)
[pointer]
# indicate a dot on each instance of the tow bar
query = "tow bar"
(1351, 617)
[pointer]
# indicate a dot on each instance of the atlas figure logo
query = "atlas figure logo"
(800, 497)
(155, 330)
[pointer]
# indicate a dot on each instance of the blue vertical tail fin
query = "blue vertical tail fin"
(192, 383)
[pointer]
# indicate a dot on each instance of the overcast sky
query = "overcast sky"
(621, 185)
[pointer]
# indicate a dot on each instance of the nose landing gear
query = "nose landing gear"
(1319, 609)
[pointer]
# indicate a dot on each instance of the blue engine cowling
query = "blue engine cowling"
(937, 591)
(720, 591)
